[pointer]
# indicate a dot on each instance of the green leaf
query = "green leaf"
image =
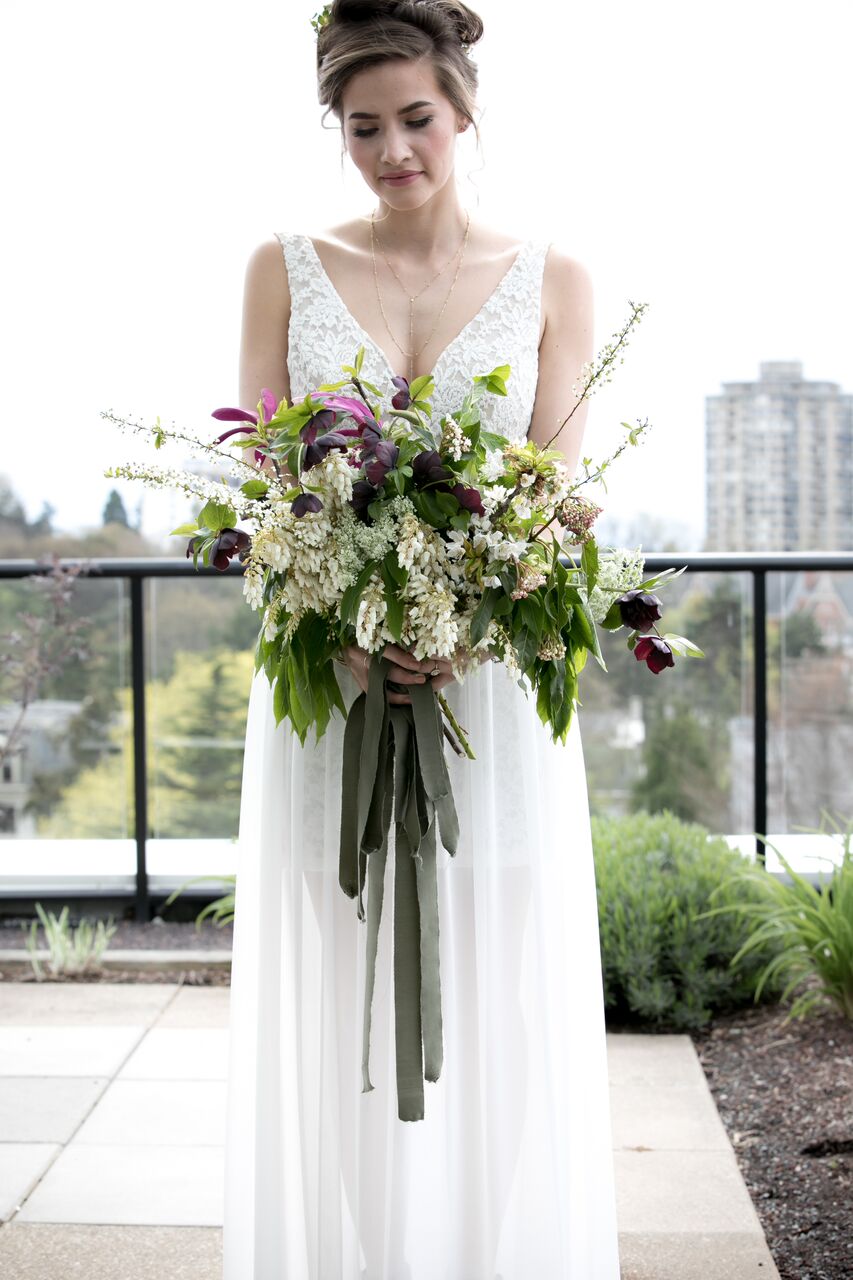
(184, 530)
(353, 593)
(422, 388)
(359, 359)
(612, 620)
(589, 563)
(254, 488)
(525, 645)
(680, 644)
(217, 516)
(393, 603)
(482, 615)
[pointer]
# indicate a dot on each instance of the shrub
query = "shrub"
(661, 964)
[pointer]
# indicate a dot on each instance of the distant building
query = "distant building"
(779, 464)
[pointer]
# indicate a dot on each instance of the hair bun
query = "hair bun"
(452, 15)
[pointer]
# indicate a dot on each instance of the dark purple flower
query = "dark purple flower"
(469, 498)
(639, 610)
(383, 457)
(304, 503)
(428, 469)
(655, 652)
(227, 544)
(363, 493)
(317, 446)
(402, 399)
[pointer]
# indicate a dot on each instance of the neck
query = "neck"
(427, 234)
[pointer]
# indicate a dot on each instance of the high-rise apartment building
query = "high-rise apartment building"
(779, 464)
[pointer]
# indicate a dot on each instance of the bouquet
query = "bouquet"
(371, 523)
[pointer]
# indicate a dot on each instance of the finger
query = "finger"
(403, 658)
(401, 675)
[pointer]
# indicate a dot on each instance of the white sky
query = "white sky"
(693, 156)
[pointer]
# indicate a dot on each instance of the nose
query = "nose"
(395, 149)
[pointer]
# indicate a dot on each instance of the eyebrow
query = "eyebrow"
(372, 115)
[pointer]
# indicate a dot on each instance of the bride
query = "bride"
(509, 1175)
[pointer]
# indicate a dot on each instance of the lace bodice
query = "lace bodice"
(323, 335)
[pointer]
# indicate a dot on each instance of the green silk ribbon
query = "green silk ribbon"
(394, 765)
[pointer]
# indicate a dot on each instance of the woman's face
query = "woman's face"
(396, 120)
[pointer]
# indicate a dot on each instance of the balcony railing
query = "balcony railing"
(138, 576)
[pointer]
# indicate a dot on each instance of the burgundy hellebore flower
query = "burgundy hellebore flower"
(468, 498)
(384, 455)
(402, 399)
(304, 503)
(227, 544)
(655, 652)
(639, 610)
(363, 493)
(428, 469)
(268, 404)
(319, 445)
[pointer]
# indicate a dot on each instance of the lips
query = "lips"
(400, 179)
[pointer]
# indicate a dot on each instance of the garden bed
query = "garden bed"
(785, 1095)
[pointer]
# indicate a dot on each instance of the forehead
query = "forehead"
(388, 87)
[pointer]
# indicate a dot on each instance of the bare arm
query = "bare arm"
(566, 345)
(266, 317)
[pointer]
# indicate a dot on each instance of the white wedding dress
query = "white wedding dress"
(510, 1174)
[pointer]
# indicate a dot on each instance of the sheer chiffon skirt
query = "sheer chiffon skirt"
(510, 1174)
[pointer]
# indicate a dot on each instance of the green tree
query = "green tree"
(196, 723)
(685, 763)
(114, 510)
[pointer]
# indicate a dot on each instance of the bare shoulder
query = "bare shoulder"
(564, 276)
(266, 271)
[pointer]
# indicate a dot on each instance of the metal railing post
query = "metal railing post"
(140, 761)
(759, 702)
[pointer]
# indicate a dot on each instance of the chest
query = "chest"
(324, 334)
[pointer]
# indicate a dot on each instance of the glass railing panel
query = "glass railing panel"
(681, 740)
(66, 737)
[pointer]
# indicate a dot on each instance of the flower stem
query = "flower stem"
(460, 733)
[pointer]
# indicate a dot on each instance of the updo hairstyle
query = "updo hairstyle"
(364, 33)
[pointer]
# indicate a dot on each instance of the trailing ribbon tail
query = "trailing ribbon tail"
(394, 765)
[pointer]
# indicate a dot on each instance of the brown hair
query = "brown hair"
(364, 33)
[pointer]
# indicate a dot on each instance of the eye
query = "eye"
(414, 124)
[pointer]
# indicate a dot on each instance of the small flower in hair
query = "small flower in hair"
(321, 19)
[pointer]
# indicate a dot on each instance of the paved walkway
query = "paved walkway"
(111, 1131)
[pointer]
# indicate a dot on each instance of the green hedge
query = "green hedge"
(662, 967)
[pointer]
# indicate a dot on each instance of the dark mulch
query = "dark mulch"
(785, 1095)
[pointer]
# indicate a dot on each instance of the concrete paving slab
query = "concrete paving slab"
(21, 1166)
(721, 1256)
(179, 1053)
(197, 1007)
(667, 1060)
(673, 1118)
(46, 1108)
(156, 1186)
(186, 1113)
(36, 1251)
(682, 1192)
(90, 1003)
(72, 1050)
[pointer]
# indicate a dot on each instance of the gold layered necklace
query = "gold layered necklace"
(411, 355)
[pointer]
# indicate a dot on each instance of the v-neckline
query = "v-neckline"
(453, 341)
